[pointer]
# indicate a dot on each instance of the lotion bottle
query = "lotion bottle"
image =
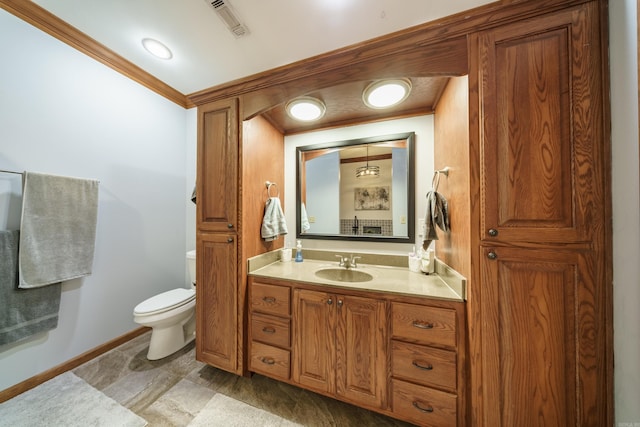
(299, 251)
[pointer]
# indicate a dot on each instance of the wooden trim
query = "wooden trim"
(42, 19)
(42, 377)
(382, 49)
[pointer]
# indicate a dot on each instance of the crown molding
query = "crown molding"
(44, 20)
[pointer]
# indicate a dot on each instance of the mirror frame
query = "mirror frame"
(410, 238)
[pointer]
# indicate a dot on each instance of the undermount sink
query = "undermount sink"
(343, 275)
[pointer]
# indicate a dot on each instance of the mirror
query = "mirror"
(358, 190)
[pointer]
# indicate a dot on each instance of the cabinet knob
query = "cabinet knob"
(329, 301)
(493, 232)
(492, 255)
(339, 303)
(230, 240)
(421, 408)
(229, 225)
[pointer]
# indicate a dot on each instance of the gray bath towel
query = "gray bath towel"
(23, 312)
(58, 229)
(273, 222)
(437, 215)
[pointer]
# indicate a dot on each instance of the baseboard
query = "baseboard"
(38, 379)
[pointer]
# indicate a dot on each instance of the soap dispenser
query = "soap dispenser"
(299, 251)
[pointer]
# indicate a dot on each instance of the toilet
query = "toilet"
(171, 316)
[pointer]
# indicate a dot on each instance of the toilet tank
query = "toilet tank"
(191, 265)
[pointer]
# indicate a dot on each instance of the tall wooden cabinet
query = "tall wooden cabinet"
(539, 301)
(217, 235)
(230, 206)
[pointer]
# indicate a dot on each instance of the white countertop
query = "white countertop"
(397, 280)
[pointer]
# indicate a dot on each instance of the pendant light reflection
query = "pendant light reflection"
(157, 49)
(368, 171)
(306, 109)
(386, 93)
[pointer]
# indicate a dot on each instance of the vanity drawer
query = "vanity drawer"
(424, 324)
(423, 405)
(425, 365)
(270, 330)
(271, 361)
(271, 299)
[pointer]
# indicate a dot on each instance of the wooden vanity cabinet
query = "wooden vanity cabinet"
(528, 145)
(340, 345)
(427, 363)
(270, 329)
(398, 355)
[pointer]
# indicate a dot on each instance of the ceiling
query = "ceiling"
(207, 54)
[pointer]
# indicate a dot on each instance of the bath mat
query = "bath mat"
(66, 401)
(225, 411)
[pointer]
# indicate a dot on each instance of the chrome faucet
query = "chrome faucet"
(350, 262)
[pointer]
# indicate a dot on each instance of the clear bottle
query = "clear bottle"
(299, 251)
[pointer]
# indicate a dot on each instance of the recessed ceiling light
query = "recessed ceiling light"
(306, 109)
(157, 49)
(386, 93)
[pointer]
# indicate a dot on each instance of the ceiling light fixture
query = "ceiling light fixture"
(368, 171)
(386, 93)
(306, 109)
(156, 48)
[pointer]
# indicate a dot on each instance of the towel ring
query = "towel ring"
(435, 181)
(270, 184)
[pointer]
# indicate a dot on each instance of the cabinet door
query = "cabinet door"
(216, 300)
(314, 345)
(542, 341)
(361, 372)
(541, 128)
(217, 186)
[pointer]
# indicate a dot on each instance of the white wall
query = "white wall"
(63, 113)
(421, 125)
(626, 209)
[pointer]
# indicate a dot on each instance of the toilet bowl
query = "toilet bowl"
(171, 317)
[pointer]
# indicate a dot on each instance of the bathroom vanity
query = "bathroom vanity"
(519, 94)
(391, 340)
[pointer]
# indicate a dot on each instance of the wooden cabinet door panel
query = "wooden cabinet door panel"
(216, 300)
(540, 364)
(539, 135)
(217, 186)
(314, 345)
(360, 354)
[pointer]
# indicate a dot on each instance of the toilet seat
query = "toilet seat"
(165, 301)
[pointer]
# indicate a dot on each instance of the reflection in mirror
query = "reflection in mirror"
(360, 189)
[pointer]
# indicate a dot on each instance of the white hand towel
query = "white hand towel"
(273, 222)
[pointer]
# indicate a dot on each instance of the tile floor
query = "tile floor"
(171, 391)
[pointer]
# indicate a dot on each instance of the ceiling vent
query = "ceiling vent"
(229, 17)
